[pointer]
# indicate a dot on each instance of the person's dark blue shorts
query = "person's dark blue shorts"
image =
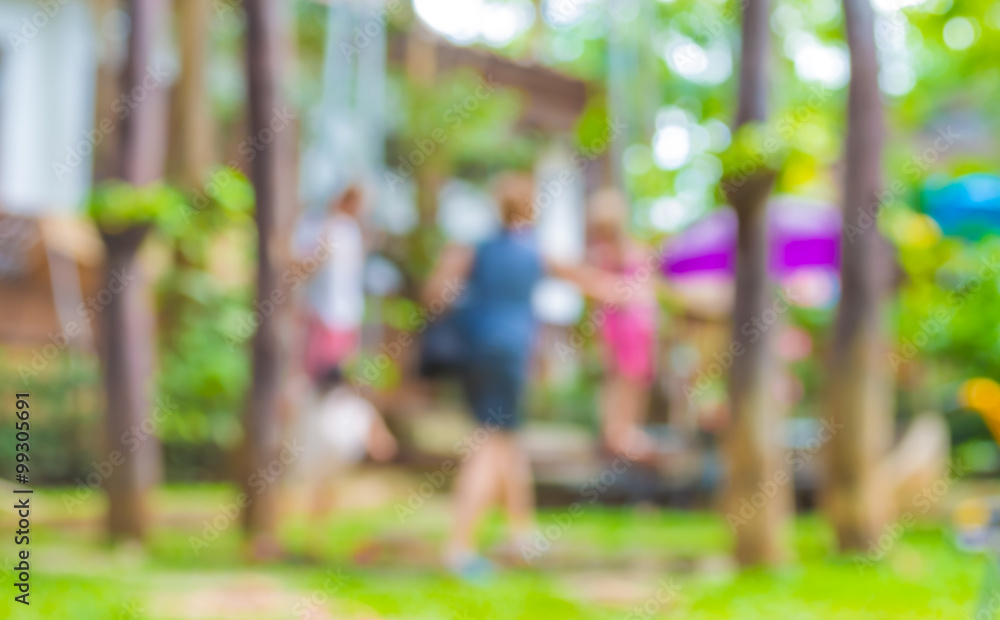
(494, 387)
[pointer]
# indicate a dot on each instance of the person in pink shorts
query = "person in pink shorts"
(332, 254)
(621, 277)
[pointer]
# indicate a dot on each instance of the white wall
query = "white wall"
(559, 204)
(48, 70)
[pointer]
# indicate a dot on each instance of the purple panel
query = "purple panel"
(721, 262)
(801, 235)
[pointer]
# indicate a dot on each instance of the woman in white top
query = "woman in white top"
(335, 295)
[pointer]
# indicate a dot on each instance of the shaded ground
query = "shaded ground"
(368, 563)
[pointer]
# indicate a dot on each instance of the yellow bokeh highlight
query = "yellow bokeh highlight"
(799, 171)
(971, 514)
(916, 230)
(982, 395)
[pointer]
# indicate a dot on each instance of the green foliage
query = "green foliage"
(468, 123)
(402, 313)
(310, 34)
(593, 120)
(755, 148)
(204, 357)
(66, 413)
(202, 368)
(461, 125)
(945, 318)
(948, 310)
(201, 215)
(116, 205)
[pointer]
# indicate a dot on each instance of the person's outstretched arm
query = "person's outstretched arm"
(595, 283)
(453, 268)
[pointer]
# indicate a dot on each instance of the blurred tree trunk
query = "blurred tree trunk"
(191, 141)
(422, 73)
(191, 152)
(108, 87)
(757, 504)
(128, 328)
(262, 426)
(860, 389)
(143, 139)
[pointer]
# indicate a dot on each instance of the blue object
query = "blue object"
(443, 352)
(499, 325)
(473, 569)
(977, 529)
(968, 206)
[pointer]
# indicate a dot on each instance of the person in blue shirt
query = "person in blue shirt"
(497, 325)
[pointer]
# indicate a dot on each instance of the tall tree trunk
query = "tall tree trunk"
(191, 142)
(422, 71)
(860, 396)
(756, 500)
(128, 330)
(262, 425)
(192, 147)
(143, 130)
(108, 86)
(128, 352)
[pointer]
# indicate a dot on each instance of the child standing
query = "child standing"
(623, 283)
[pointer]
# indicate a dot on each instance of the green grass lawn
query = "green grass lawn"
(607, 563)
